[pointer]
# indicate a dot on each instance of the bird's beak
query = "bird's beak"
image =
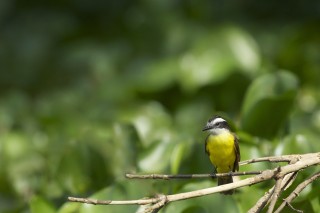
(207, 127)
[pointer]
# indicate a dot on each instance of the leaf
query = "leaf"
(216, 55)
(268, 102)
(39, 205)
(151, 121)
(177, 155)
(157, 157)
(244, 49)
(70, 207)
(72, 170)
(125, 143)
(155, 75)
(246, 202)
(303, 142)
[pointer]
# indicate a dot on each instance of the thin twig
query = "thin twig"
(262, 202)
(272, 159)
(157, 206)
(114, 202)
(277, 159)
(189, 176)
(275, 195)
(294, 209)
(288, 180)
(297, 190)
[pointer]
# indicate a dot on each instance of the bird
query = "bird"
(222, 147)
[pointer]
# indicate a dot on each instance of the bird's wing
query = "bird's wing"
(237, 151)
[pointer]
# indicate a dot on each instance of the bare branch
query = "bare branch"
(274, 159)
(114, 202)
(288, 180)
(297, 190)
(275, 195)
(284, 175)
(266, 175)
(157, 206)
(262, 202)
(189, 176)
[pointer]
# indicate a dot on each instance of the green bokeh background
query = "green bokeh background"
(90, 90)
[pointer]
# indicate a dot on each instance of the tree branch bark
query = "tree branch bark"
(189, 176)
(297, 190)
(283, 175)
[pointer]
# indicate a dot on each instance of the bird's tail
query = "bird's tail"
(226, 180)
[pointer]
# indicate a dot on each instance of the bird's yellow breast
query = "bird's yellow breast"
(221, 151)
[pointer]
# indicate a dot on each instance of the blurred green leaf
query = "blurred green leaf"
(303, 142)
(156, 158)
(245, 202)
(155, 75)
(151, 121)
(315, 203)
(70, 207)
(125, 147)
(39, 205)
(244, 49)
(72, 171)
(198, 209)
(268, 101)
(178, 153)
(214, 56)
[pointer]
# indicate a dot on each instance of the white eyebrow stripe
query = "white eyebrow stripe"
(217, 120)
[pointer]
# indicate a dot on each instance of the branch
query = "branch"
(189, 176)
(275, 159)
(114, 202)
(297, 190)
(263, 201)
(296, 210)
(288, 180)
(298, 162)
(275, 196)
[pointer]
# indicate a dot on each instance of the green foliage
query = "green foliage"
(89, 92)
(38, 204)
(273, 93)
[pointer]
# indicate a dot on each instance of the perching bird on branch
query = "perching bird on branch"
(223, 149)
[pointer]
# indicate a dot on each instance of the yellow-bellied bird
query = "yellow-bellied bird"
(223, 149)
